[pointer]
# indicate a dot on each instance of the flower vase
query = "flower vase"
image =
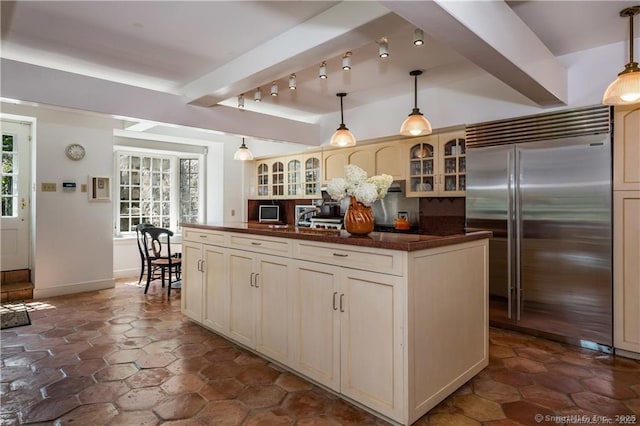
(358, 220)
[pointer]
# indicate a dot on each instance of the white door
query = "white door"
(15, 196)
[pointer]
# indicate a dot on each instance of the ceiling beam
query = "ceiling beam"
(297, 48)
(492, 36)
(32, 83)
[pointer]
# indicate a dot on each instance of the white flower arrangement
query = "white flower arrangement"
(356, 184)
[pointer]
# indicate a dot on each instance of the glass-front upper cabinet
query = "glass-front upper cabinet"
(422, 167)
(294, 177)
(277, 179)
(262, 175)
(454, 165)
(437, 166)
(311, 176)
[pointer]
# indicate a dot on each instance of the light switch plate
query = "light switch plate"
(83, 187)
(48, 187)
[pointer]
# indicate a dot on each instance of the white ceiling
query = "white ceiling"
(211, 51)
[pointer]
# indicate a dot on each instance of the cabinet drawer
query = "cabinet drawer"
(261, 244)
(368, 259)
(206, 236)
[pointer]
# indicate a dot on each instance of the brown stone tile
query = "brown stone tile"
(103, 392)
(545, 397)
(182, 383)
(141, 399)
(12, 373)
(14, 401)
(558, 382)
(37, 379)
(317, 421)
(599, 404)
(261, 396)
(524, 364)
(292, 383)
(258, 375)
(536, 354)
(123, 320)
(180, 406)
(155, 360)
(221, 413)
(452, 420)
(307, 403)
(85, 368)
(501, 351)
(495, 391)
(56, 361)
(148, 377)
(67, 386)
(225, 388)
(608, 388)
(512, 377)
(94, 414)
(161, 346)
(134, 342)
(223, 354)
(268, 418)
(478, 408)
(25, 359)
(116, 372)
(98, 351)
(138, 418)
(569, 370)
(633, 405)
(49, 409)
(526, 413)
(124, 356)
(190, 350)
(220, 369)
(248, 359)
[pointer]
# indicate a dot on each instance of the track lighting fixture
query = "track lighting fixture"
(241, 101)
(243, 153)
(416, 124)
(418, 37)
(625, 89)
(258, 95)
(346, 61)
(292, 82)
(383, 47)
(322, 73)
(274, 89)
(342, 136)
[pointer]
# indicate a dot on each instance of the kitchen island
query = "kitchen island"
(392, 322)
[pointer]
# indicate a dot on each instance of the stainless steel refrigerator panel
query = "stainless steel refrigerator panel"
(487, 203)
(564, 211)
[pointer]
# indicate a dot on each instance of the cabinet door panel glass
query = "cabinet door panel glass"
(421, 169)
(311, 176)
(294, 186)
(263, 180)
(277, 176)
(454, 165)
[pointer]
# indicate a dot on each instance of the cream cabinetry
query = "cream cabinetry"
(375, 159)
(347, 326)
(626, 270)
(626, 230)
(258, 300)
(437, 166)
(295, 176)
(372, 324)
(390, 159)
(626, 149)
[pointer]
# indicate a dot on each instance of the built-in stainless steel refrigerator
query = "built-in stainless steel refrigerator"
(542, 184)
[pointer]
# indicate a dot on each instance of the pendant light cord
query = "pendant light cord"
(415, 91)
(631, 15)
(341, 111)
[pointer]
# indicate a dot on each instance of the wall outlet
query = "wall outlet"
(233, 212)
(48, 187)
(83, 187)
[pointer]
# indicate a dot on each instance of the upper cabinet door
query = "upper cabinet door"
(277, 179)
(626, 148)
(333, 164)
(364, 158)
(294, 177)
(453, 164)
(262, 177)
(311, 175)
(422, 171)
(390, 160)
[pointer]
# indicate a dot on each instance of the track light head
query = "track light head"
(322, 73)
(418, 37)
(292, 82)
(274, 89)
(346, 61)
(241, 101)
(383, 47)
(258, 95)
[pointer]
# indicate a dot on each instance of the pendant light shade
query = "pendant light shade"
(416, 124)
(342, 137)
(625, 89)
(243, 153)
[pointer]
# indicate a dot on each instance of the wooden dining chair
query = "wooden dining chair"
(141, 240)
(160, 257)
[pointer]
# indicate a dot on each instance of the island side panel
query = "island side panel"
(448, 321)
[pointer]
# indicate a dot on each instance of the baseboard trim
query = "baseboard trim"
(40, 293)
(628, 354)
(126, 273)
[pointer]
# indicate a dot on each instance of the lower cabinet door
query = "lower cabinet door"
(316, 335)
(191, 293)
(272, 284)
(242, 297)
(371, 340)
(216, 289)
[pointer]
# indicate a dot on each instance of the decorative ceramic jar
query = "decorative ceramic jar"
(358, 219)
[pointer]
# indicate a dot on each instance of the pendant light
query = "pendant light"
(342, 137)
(243, 153)
(625, 89)
(416, 124)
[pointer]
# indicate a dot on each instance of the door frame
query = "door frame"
(31, 196)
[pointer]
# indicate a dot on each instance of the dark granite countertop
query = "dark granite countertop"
(384, 240)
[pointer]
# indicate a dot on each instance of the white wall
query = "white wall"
(72, 236)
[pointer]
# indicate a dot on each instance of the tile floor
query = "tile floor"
(118, 357)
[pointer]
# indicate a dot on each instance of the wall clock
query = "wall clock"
(75, 151)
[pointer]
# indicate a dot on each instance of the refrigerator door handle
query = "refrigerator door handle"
(510, 190)
(518, 235)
